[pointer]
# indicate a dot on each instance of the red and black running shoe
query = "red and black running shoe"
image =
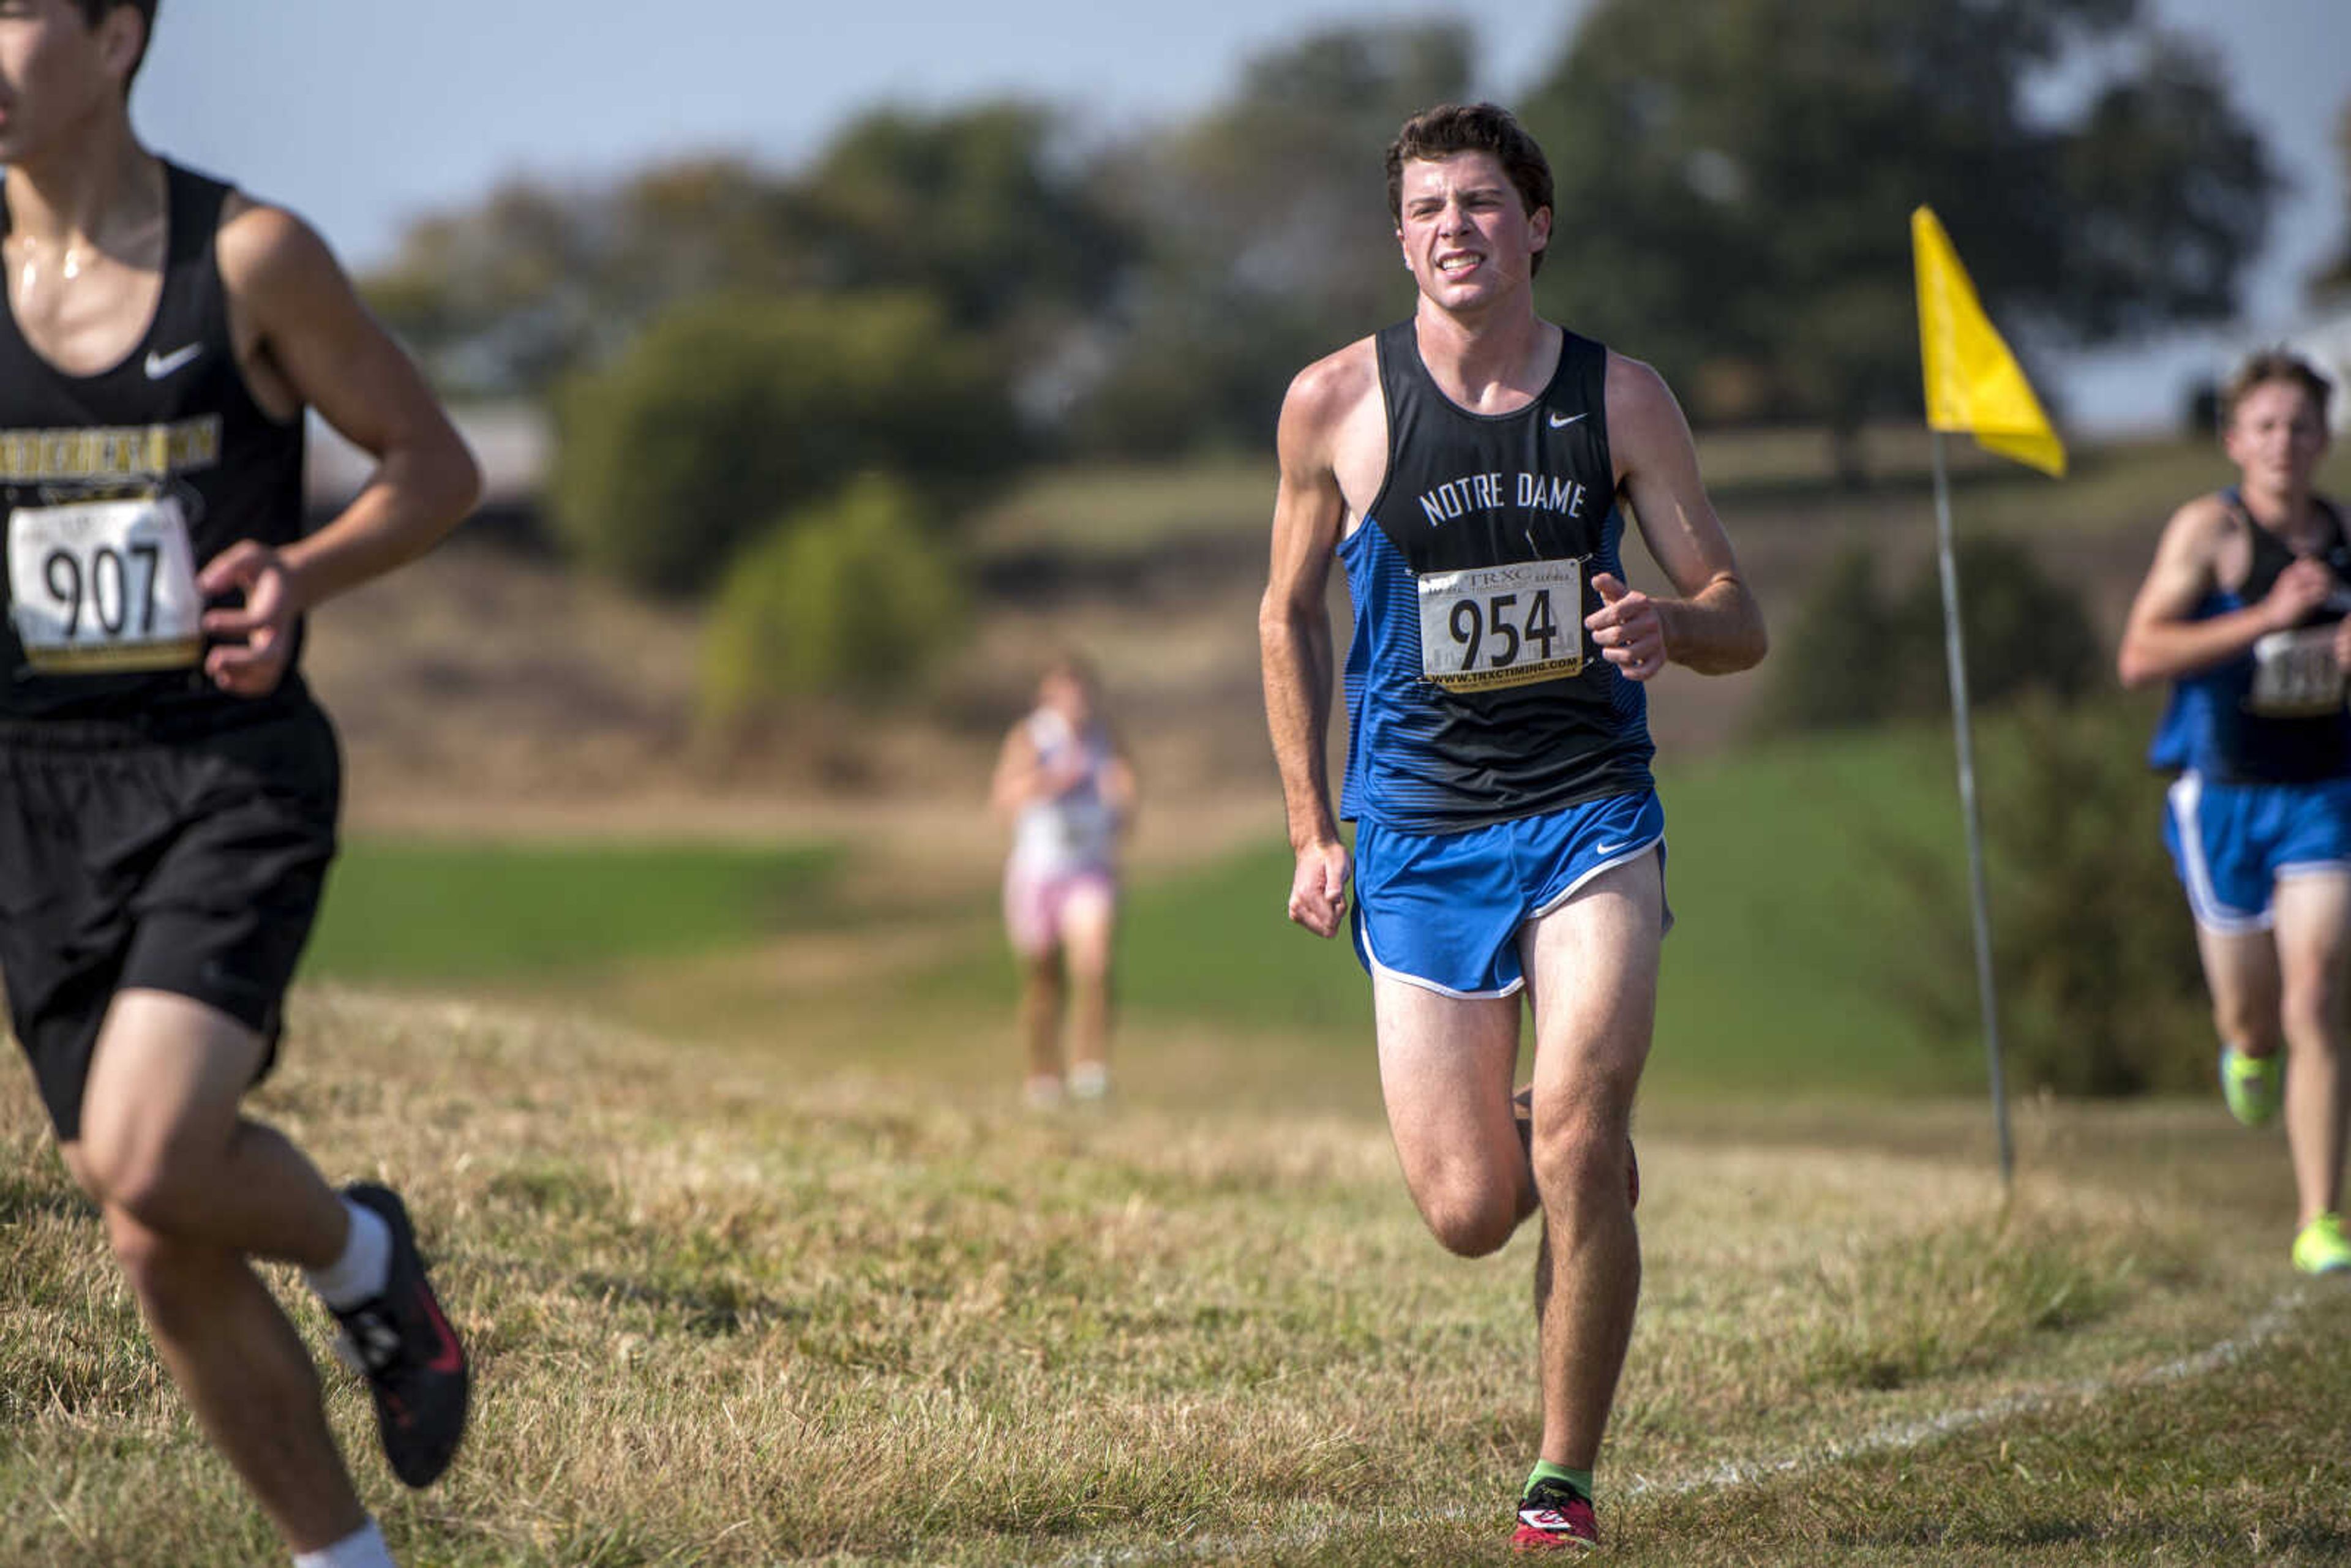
(403, 1344)
(1555, 1517)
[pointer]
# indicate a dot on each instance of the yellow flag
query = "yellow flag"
(1973, 382)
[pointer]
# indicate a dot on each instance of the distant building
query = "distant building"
(513, 442)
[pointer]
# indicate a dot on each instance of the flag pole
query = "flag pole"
(1955, 653)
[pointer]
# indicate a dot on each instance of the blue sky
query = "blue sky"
(363, 115)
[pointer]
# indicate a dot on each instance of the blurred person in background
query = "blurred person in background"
(169, 790)
(1066, 786)
(2244, 613)
(1466, 468)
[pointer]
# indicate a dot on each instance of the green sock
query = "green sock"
(1545, 1470)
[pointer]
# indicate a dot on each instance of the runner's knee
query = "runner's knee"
(173, 1278)
(1469, 1217)
(1578, 1147)
(2312, 1006)
(149, 1174)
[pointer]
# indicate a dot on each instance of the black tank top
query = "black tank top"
(173, 419)
(1474, 695)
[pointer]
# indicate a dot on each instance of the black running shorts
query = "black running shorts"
(133, 858)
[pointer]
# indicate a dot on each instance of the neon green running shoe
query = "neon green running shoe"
(2253, 1085)
(2322, 1247)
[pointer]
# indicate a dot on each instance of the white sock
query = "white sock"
(359, 1275)
(1089, 1081)
(362, 1548)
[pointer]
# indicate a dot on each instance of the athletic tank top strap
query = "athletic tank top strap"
(1475, 695)
(172, 420)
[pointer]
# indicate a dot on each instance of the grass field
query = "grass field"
(762, 1263)
(725, 1313)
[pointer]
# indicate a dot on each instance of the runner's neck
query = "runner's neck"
(1497, 363)
(103, 193)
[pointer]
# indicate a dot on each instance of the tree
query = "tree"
(1268, 241)
(851, 597)
(1735, 177)
(986, 208)
(2335, 276)
(729, 412)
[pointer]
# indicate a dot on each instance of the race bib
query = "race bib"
(1489, 626)
(2296, 675)
(104, 586)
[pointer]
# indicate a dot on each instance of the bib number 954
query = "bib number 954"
(1490, 626)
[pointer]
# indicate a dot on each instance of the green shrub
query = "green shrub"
(1853, 657)
(726, 414)
(2094, 951)
(853, 597)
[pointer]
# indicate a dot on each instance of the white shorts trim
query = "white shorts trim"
(2313, 868)
(2186, 792)
(1364, 936)
(1627, 858)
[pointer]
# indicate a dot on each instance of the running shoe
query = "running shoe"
(403, 1344)
(2322, 1247)
(1555, 1517)
(1522, 1110)
(2253, 1085)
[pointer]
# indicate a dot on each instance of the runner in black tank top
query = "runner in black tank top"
(2244, 613)
(168, 790)
(1465, 466)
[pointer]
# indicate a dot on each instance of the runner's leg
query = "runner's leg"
(1592, 967)
(1089, 923)
(1446, 1069)
(189, 1189)
(1040, 1013)
(2241, 970)
(2314, 940)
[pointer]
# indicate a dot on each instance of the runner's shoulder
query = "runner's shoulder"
(2202, 525)
(266, 249)
(1325, 392)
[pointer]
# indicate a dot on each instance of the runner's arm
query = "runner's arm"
(1715, 626)
(2161, 643)
(314, 332)
(1015, 783)
(1294, 640)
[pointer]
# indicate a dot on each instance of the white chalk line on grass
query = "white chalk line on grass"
(1896, 1437)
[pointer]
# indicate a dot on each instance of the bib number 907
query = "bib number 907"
(104, 586)
(1490, 626)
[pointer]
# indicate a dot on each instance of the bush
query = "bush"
(852, 598)
(2094, 951)
(1852, 658)
(727, 413)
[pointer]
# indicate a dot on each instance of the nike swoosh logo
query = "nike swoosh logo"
(449, 1360)
(1558, 422)
(161, 365)
(1605, 849)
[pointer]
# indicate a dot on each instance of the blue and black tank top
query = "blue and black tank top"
(1474, 693)
(2275, 713)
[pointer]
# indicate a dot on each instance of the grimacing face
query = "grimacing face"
(1465, 230)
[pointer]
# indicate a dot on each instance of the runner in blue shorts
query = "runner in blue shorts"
(2243, 612)
(1465, 466)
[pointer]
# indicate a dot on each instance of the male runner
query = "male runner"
(1465, 465)
(168, 789)
(1069, 790)
(2243, 611)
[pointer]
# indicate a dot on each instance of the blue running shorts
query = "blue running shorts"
(1443, 910)
(2233, 843)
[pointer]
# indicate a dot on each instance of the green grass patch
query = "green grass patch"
(420, 911)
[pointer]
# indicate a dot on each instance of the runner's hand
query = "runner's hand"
(256, 638)
(2343, 643)
(1318, 888)
(2299, 590)
(1627, 629)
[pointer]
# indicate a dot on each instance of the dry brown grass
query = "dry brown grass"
(728, 1313)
